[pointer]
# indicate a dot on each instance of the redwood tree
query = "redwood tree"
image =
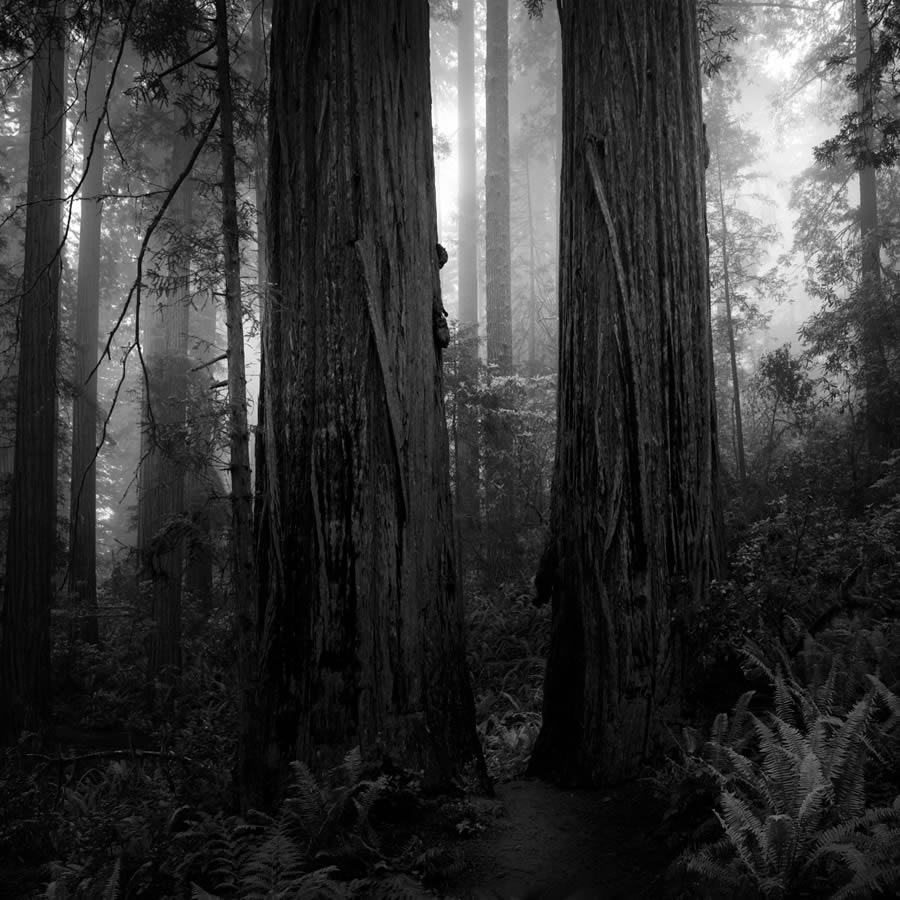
(498, 288)
(162, 509)
(631, 550)
(31, 551)
(83, 497)
(362, 639)
(467, 425)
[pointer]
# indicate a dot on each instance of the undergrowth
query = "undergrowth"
(801, 805)
(508, 639)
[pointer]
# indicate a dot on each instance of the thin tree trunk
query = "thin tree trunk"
(880, 401)
(632, 544)
(729, 323)
(162, 510)
(260, 537)
(499, 499)
(82, 574)
(356, 443)
(31, 549)
(496, 189)
(468, 432)
(468, 192)
(532, 277)
(243, 570)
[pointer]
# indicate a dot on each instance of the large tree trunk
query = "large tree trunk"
(631, 550)
(82, 574)
(31, 549)
(363, 638)
(162, 510)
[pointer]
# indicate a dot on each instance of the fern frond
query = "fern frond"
(353, 766)
(305, 806)
(814, 810)
(111, 888)
(395, 886)
(846, 831)
(780, 844)
(319, 885)
(784, 701)
(719, 729)
(754, 656)
(737, 732)
(273, 868)
(888, 698)
(707, 863)
(743, 767)
(742, 828)
(846, 758)
(876, 879)
(791, 738)
(826, 693)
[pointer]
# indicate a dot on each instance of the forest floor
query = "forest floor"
(551, 843)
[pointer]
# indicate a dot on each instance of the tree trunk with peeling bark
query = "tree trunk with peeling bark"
(632, 546)
(362, 642)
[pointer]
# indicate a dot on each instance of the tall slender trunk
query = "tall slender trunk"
(729, 324)
(260, 78)
(496, 189)
(532, 276)
(31, 549)
(162, 509)
(880, 401)
(468, 192)
(82, 574)
(468, 430)
(499, 498)
(243, 571)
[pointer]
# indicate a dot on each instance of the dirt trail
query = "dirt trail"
(551, 843)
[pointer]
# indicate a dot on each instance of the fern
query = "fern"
(795, 810)
(322, 828)
(111, 888)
